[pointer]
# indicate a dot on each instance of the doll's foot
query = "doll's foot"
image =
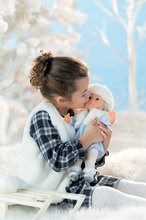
(89, 175)
(75, 173)
(89, 178)
(111, 116)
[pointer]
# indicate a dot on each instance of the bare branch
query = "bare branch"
(104, 40)
(103, 35)
(115, 14)
(142, 99)
(142, 32)
(5, 84)
(115, 7)
(139, 2)
(138, 5)
(104, 9)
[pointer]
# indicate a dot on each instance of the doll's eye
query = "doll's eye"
(97, 99)
(89, 97)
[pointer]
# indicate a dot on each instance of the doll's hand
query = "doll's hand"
(67, 118)
(112, 116)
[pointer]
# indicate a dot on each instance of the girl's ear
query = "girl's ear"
(60, 100)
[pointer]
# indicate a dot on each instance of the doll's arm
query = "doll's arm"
(67, 118)
(92, 114)
(79, 117)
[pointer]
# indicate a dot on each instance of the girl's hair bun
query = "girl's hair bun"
(46, 54)
(41, 68)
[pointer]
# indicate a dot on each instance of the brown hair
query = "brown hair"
(56, 75)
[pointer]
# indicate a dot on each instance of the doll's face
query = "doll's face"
(95, 101)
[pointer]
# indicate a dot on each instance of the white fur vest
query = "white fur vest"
(35, 170)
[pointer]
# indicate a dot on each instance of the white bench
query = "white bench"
(36, 198)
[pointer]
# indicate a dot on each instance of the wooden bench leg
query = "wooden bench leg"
(44, 208)
(79, 202)
(3, 208)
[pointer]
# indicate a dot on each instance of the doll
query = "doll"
(100, 105)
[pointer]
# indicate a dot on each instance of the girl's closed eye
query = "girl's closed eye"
(84, 95)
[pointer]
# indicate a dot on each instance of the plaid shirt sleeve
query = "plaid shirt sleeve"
(59, 155)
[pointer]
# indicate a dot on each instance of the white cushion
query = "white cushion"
(11, 183)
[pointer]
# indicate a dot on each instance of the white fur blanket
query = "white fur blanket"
(129, 163)
(124, 213)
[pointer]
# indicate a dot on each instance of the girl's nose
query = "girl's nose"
(87, 95)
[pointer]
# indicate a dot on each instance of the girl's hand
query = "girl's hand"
(106, 133)
(92, 135)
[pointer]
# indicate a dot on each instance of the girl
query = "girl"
(49, 148)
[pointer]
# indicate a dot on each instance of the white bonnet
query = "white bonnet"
(104, 92)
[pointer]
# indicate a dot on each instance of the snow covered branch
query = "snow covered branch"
(131, 12)
(25, 29)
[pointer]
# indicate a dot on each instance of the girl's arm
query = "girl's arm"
(107, 134)
(59, 155)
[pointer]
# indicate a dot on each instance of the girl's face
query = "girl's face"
(81, 96)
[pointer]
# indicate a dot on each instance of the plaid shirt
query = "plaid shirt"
(61, 156)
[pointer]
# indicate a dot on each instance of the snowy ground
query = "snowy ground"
(129, 131)
(127, 159)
